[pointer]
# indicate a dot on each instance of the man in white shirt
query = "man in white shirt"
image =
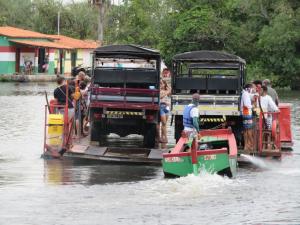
(271, 91)
(267, 105)
(246, 111)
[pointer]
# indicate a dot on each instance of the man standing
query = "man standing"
(191, 116)
(60, 94)
(246, 110)
(267, 105)
(271, 91)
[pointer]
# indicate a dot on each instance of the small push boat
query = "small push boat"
(215, 152)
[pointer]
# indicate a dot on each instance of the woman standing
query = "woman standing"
(165, 102)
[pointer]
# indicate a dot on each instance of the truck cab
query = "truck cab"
(124, 95)
(218, 77)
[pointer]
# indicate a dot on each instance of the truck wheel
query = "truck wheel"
(95, 131)
(149, 135)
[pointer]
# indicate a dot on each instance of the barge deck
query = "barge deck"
(85, 149)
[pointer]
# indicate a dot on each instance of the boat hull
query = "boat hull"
(215, 152)
(220, 163)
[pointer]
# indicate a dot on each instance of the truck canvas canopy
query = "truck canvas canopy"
(208, 72)
(126, 66)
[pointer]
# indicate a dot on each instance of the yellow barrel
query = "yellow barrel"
(55, 129)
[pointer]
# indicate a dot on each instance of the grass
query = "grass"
(4, 79)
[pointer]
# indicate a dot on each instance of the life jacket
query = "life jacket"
(187, 119)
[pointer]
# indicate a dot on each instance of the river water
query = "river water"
(34, 191)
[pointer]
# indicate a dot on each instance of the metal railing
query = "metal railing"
(268, 130)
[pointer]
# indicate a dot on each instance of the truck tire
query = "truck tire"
(95, 131)
(149, 136)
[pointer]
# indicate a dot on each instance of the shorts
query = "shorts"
(164, 109)
(247, 121)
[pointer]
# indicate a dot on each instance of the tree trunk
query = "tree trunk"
(101, 8)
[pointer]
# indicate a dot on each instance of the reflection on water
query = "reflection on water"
(22, 89)
(36, 191)
(67, 171)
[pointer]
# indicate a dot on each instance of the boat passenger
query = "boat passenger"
(165, 102)
(272, 92)
(60, 95)
(246, 110)
(191, 117)
(258, 84)
(81, 83)
(256, 89)
(267, 105)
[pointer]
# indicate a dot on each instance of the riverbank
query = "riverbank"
(28, 78)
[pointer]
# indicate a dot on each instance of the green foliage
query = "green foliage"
(4, 79)
(278, 44)
(45, 17)
(2, 20)
(16, 13)
(82, 18)
(266, 33)
(135, 22)
(78, 20)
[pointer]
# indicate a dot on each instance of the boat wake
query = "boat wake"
(258, 162)
(205, 184)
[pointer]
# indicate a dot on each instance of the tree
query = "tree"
(16, 13)
(193, 26)
(279, 44)
(135, 22)
(45, 15)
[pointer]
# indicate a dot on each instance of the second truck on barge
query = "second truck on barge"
(219, 78)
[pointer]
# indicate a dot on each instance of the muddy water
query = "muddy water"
(34, 191)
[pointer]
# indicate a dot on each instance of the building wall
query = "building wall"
(79, 60)
(56, 58)
(67, 65)
(84, 58)
(51, 61)
(7, 57)
(87, 57)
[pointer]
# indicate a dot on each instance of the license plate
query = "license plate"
(111, 116)
(210, 157)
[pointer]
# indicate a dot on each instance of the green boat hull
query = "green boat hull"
(215, 152)
(217, 163)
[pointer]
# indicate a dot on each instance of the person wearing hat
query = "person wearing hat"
(191, 116)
